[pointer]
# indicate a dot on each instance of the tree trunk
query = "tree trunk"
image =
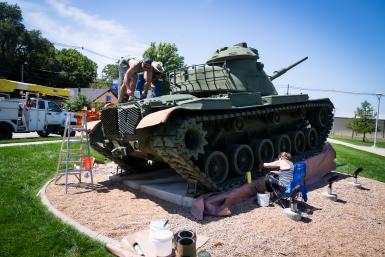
(363, 138)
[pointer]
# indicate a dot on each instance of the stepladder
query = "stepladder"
(75, 160)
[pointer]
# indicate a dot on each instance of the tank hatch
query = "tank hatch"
(238, 51)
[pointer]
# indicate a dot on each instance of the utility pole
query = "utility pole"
(287, 90)
(22, 70)
(378, 113)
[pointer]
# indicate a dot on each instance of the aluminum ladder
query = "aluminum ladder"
(74, 153)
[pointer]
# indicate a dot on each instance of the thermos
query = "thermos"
(186, 244)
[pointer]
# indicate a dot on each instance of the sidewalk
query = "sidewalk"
(370, 149)
(31, 143)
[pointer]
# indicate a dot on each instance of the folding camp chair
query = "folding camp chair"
(295, 188)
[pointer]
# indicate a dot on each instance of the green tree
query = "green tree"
(27, 52)
(23, 49)
(110, 72)
(167, 53)
(11, 33)
(77, 103)
(364, 121)
(79, 70)
(39, 54)
(100, 83)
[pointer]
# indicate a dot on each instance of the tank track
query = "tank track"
(164, 146)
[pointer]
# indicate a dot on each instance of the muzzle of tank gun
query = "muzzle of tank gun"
(279, 73)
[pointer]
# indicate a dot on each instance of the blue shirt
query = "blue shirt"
(140, 84)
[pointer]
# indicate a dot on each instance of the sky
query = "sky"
(344, 39)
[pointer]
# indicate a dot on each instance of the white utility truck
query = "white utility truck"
(35, 115)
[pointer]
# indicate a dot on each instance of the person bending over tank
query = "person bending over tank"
(282, 177)
(129, 82)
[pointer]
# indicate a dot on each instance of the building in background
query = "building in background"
(107, 97)
(98, 96)
(340, 126)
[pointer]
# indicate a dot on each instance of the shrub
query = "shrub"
(76, 104)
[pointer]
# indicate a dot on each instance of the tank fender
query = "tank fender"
(156, 118)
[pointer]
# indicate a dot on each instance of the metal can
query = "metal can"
(248, 177)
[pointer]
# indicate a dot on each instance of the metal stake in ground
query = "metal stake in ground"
(293, 212)
(329, 193)
(355, 183)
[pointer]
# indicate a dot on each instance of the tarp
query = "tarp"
(8, 86)
(125, 247)
(218, 204)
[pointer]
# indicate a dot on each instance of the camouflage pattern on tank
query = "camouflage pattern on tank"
(222, 118)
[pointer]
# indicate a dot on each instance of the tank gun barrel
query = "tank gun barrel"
(279, 73)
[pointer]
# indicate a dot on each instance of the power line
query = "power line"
(326, 90)
(86, 49)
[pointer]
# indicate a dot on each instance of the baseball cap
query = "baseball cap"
(158, 66)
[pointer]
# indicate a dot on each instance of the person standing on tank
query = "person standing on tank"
(129, 82)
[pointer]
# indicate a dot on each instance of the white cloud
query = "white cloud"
(62, 23)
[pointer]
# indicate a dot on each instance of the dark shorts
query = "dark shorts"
(271, 183)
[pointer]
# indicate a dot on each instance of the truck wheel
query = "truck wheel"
(43, 133)
(5, 132)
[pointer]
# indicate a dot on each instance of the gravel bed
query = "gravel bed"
(352, 226)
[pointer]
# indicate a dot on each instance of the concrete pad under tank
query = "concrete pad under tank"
(164, 184)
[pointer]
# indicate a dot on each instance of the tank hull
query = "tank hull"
(208, 147)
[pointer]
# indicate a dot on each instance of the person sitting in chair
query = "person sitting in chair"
(282, 177)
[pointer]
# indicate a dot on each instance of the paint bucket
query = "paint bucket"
(157, 225)
(263, 199)
(162, 242)
(88, 163)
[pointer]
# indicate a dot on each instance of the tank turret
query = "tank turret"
(230, 69)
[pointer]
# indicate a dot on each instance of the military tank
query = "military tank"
(221, 119)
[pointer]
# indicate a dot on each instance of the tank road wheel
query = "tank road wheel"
(241, 158)
(216, 166)
(320, 118)
(281, 144)
(311, 136)
(298, 142)
(191, 138)
(276, 117)
(263, 150)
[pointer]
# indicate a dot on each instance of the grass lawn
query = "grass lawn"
(27, 227)
(349, 159)
(358, 141)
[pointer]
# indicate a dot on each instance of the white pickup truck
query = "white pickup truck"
(41, 116)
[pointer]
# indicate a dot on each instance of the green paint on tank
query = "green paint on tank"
(221, 119)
